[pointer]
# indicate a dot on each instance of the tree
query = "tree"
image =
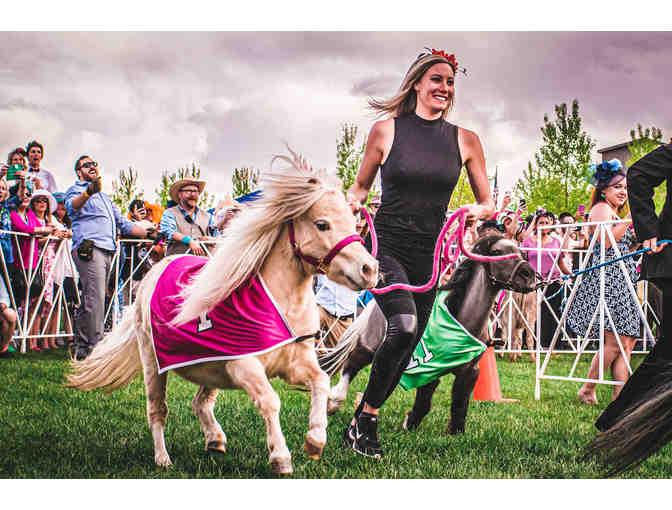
(643, 143)
(348, 155)
(640, 146)
(245, 180)
(462, 194)
(205, 200)
(558, 183)
(126, 190)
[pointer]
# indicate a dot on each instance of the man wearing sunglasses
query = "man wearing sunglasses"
(96, 225)
(185, 225)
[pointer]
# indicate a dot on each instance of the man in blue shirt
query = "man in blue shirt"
(96, 225)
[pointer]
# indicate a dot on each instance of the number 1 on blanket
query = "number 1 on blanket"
(204, 323)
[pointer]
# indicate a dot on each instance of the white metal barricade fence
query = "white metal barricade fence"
(28, 312)
(601, 234)
(510, 310)
(123, 288)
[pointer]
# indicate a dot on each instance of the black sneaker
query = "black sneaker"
(362, 437)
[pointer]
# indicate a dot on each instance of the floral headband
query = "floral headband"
(604, 174)
(450, 58)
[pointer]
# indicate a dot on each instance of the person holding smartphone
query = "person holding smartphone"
(96, 224)
(14, 170)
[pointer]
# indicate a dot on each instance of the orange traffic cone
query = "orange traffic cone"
(487, 387)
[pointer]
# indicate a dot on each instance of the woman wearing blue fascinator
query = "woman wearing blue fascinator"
(609, 202)
(639, 422)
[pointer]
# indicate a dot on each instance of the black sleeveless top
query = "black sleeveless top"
(419, 176)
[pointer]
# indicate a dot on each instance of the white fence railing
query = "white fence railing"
(602, 233)
(122, 293)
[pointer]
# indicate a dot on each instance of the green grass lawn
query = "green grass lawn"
(54, 432)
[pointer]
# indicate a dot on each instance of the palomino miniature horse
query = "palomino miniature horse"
(474, 286)
(303, 214)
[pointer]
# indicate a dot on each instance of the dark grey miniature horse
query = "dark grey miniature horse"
(474, 286)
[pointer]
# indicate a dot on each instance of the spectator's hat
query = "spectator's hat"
(45, 193)
(606, 173)
(177, 186)
(59, 196)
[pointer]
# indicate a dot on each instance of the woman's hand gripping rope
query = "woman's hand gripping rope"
(449, 257)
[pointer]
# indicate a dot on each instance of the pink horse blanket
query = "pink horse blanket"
(247, 323)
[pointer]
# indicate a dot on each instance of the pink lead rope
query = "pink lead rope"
(447, 255)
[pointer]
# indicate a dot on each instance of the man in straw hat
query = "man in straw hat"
(185, 225)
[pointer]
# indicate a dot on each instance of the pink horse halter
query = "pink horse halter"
(447, 255)
(322, 265)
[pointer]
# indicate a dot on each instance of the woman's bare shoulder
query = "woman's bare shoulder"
(383, 126)
(601, 212)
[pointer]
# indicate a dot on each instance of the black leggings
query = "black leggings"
(646, 377)
(407, 315)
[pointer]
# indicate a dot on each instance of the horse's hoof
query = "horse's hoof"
(409, 424)
(281, 467)
(313, 451)
(216, 447)
(163, 461)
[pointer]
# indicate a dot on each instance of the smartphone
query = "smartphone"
(522, 203)
(11, 171)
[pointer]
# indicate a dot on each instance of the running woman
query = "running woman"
(420, 156)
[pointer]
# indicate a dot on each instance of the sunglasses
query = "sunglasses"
(41, 199)
(192, 191)
(90, 164)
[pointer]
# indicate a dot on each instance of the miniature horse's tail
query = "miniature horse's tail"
(643, 431)
(115, 360)
(332, 358)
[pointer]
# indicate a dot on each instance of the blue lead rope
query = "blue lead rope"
(592, 268)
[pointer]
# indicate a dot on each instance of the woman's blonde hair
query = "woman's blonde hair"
(405, 100)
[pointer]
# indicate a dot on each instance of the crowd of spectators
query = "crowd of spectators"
(58, 247)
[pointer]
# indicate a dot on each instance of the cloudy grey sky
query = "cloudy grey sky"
(160, 100)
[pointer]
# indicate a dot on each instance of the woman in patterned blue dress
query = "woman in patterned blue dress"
(608, 200)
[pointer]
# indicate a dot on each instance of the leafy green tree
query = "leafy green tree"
(126, 189)
(205, 201)
(245, 180)
(462, 194)
(558, 183)
(643, 142)
(348, 155)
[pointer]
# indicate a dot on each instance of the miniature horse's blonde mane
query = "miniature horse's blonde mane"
(287, 194)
